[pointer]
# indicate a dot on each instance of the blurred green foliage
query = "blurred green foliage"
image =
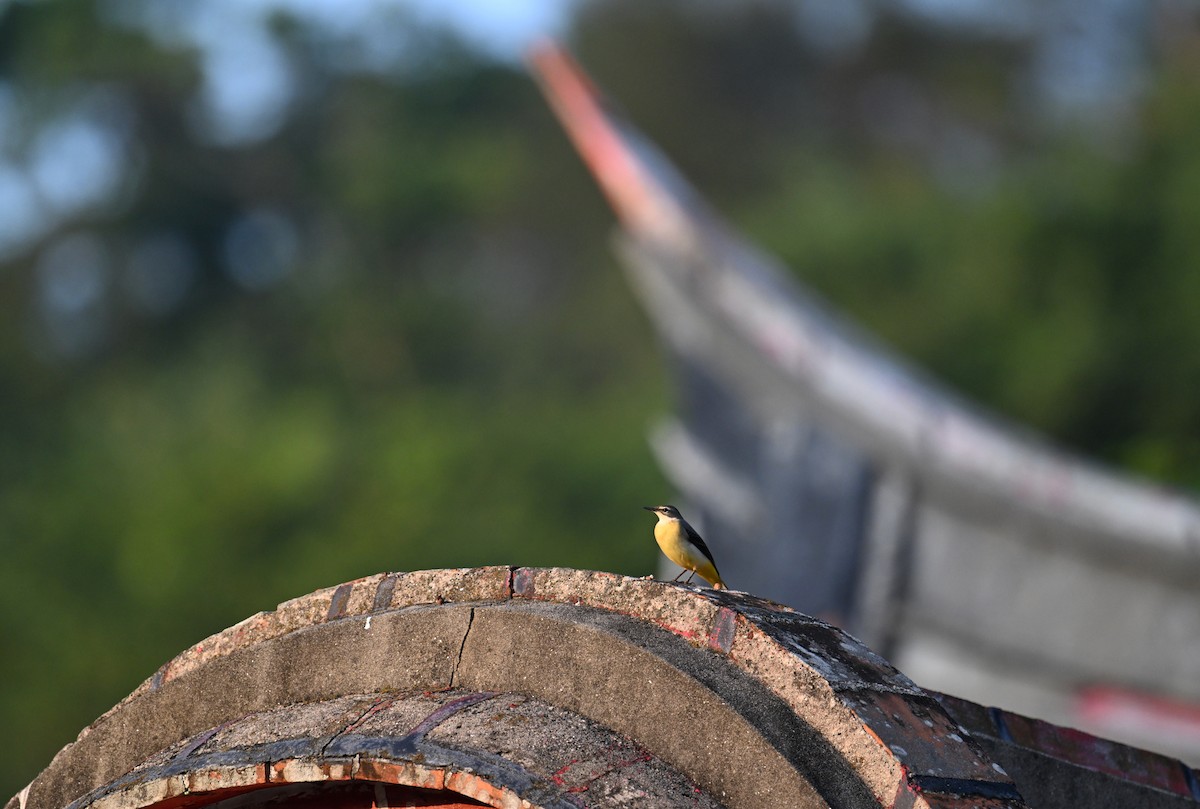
(396, 338)
(450, 372)
(1050, 272)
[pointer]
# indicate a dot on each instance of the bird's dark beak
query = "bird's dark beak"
(650, 508)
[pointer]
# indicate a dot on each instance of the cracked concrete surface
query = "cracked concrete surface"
(752, 703)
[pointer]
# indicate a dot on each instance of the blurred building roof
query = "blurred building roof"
(827, 473)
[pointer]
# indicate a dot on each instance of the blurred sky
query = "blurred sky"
(504, 27)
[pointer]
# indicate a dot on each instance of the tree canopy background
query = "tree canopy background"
(289, 299)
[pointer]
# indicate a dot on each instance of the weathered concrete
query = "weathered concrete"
(499, 748)
(315, 662)
(682, 703)
(755, 704)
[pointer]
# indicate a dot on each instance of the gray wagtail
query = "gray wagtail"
(683, 546)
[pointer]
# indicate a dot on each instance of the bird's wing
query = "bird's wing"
(695, 539)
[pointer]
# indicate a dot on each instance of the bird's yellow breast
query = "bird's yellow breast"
(673, 542)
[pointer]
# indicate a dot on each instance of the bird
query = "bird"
(683, 546)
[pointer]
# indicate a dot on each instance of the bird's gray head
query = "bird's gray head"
(666, 512)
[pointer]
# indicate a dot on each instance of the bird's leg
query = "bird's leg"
(678, 575)
(691, 575)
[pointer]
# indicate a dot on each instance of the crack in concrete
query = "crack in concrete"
(461, 647)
